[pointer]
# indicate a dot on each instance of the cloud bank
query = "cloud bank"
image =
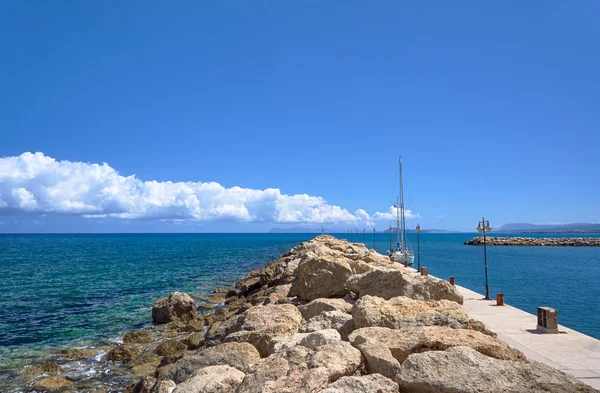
(36, 183)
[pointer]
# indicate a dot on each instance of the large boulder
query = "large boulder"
(402, 343)
(320, 338)
(318, 306)
(238, 355)
(178, 306)
(372, 383)
(389, 284)
(337, 320)
(401, 311)
(163, 386)
(212, 379)
(258, 325)
(463, 369)
(300, 369)
(319, 277)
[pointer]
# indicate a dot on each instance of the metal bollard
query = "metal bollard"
(452, 280)
(499, 299)
(405, 263)
(424, 271)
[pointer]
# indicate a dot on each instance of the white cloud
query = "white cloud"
(443, 215)
(40, 184)
(391, 214)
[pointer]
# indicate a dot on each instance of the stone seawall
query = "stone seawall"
(328, 316)
(536, 241)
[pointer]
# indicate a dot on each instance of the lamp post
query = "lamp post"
(484, 226)
(390, 231)
(365, 236)
(418, 230)
(374, 238)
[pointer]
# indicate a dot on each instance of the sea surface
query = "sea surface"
(59, 291)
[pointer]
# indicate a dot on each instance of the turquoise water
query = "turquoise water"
(66, 290)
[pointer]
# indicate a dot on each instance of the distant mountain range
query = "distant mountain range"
(535, 228)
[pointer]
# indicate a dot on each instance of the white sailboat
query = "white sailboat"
(401, 252)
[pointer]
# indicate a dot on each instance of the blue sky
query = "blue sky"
(493, 105)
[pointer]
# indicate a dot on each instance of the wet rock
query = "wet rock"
(171, 348)
(144, 385)
(212, 379)
(402, 311)
(144, 369)
(258, 325)
(389, 284)
(238, 355)
(247, 285)
(337, 320)
(75, 353)
(122, 353)
(463, 369)
(221, 290)
(52, 383)
(193, 326)
(216, 299)
(177, 306)
(139, 337)
(51, 368)
(318, 306)
(193, 341)
(373, 383)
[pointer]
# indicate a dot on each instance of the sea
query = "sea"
(61, 291)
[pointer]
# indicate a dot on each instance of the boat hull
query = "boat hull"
(402, 257)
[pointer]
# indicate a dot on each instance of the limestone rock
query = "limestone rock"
(462, 369)
(401, 311)
(52, 383)
(301, 369)
(176, 306)
(258, 325)
(339, 359)
(320, 338)
(402, 343)
(75, 353)
(122, 353)
(389, 284)
(372, 383)
(212, 379)
(284, 342)
(193, 341)
(171, 348)
(320, 305)
(164, 386)
(237, 355)
(51, 368)
(144, 385)
(337, 320)
(320, 277)
(139, 337)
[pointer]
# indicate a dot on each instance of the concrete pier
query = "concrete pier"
(569, 351)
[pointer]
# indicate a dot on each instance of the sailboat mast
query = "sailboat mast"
(401, 206)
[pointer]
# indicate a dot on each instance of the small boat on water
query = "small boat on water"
(401, 252)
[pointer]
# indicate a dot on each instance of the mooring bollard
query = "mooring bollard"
(452, 280)
(405, 263)
(499, 299)
(547, 320)
(424, 271)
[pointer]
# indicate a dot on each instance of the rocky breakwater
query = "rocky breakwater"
(331, 316)
(327, 316)
(536, 241)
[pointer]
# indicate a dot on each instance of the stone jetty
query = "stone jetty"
(328, 316)
(536, 241)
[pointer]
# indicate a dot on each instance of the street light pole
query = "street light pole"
(418, 230)
(374, 238)
(484, 226)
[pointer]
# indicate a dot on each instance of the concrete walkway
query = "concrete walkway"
(569, 351)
